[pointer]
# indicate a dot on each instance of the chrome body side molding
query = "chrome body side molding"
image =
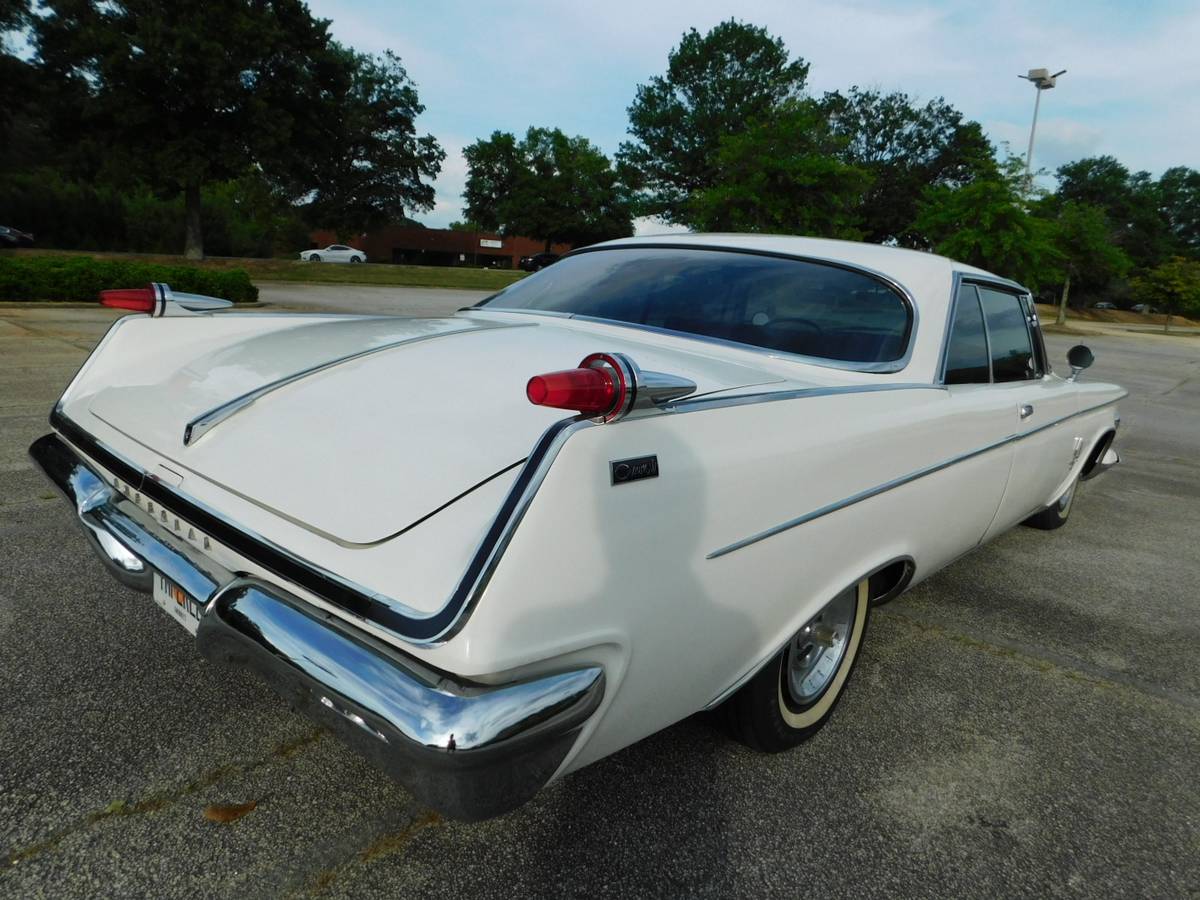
(894, 483)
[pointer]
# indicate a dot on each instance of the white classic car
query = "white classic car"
(658, 477)
(334, 253)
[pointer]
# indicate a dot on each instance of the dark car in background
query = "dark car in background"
(537, 261)
(12, 237)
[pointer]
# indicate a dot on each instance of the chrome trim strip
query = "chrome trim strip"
(405, 622)
(881, 368)
(199, 426)
(711, 401)
(894, 483)
(469, 750)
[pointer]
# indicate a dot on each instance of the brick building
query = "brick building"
(440, 247)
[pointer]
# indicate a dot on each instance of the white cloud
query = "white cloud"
(648, 225)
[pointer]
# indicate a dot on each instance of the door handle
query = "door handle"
(1025, 411)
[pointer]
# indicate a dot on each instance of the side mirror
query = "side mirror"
(1079, 358)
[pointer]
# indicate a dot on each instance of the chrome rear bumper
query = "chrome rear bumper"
(469, 750)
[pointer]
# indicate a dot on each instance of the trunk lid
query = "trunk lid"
(362, 449)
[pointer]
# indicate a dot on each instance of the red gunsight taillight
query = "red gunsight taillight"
(597, 388)
(137, 299)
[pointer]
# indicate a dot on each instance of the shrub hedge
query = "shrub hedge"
(81, 278)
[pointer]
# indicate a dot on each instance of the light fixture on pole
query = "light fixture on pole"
(1043, 81)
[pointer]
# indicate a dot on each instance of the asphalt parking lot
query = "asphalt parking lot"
(1027, 722)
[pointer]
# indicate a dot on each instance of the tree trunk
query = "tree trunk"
(1167, 323)
(1062, 300)
(547, 245)
(193, 243)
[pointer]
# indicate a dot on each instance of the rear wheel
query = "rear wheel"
(355, 259)
(794, 694)
(1056, 514)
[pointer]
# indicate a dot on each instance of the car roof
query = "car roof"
(898, 263)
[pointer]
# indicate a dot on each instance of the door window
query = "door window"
(967, 353)
(1008, 334)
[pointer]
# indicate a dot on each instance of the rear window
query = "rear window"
(795, 306)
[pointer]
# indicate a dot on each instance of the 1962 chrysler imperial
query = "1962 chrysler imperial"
(659, 476)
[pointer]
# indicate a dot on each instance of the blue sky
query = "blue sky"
(1132, 87)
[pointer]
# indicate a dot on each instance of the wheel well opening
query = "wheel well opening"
(1098, 451)
(889, 582)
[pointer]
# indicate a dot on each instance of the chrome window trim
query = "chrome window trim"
(867, 494)
(877, 368)
(206, 421)
(960, 278)
(403, 621)
(944, 355)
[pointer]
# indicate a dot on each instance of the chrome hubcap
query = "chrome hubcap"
(815, 654)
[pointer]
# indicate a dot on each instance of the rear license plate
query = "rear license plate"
(176, 602)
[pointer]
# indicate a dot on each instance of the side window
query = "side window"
(1008, 333)
(967, 353)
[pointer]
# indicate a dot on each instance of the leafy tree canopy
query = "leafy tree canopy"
(782, 175)
(547, 186)
(1129, 200)
(191, 92)
(1173, 286)
(985, 224)
(905, 147)
(715, 84)
(373, 167)
(1179, 196)
(494, 166)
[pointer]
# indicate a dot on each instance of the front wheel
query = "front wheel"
(314, 258)
(792, 697)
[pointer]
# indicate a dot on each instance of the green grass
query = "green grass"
(265, 270)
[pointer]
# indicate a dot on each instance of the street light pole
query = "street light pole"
(1043, 81)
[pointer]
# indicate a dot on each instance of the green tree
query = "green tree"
(1173, 286)
(1084, 242)
(16, 76)
(906, 148)
(715, 84)
(1130, 200)
(782, 175)
(1179, 196)
(184, 94)
(547, 186)
(494, 165)
(373, 168)
(985, 224)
